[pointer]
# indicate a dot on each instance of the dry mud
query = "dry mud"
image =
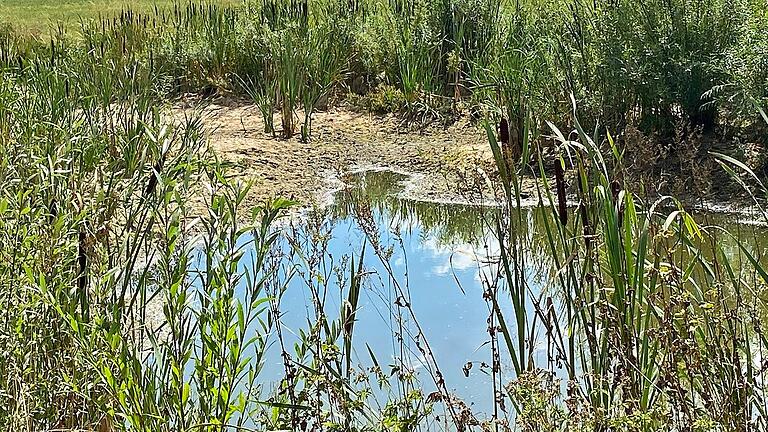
(444, 163)
(450, 163)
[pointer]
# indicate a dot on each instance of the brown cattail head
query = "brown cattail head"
(349, 319)
(82, 278)
(53, 210)
(152, 184)
(562, 208)
(504, 131)
(585, 224)
(551, 314)
(616, 190)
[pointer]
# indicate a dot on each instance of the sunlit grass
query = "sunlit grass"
(40, 16)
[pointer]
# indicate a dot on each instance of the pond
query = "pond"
(437, 258)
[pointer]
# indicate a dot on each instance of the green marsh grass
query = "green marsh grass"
(130, 303)
(653, 65)
(652, 324)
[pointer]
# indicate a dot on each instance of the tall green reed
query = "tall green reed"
(651, 320)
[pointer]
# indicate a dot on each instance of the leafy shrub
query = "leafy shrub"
(383, 100)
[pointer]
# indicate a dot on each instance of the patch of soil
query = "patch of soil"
(450, 160)
(452, 163)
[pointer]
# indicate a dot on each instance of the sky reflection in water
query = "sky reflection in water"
(440, 253)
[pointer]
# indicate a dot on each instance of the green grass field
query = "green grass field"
(39, 16)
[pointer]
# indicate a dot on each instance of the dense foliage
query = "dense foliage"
(653, 64)
(138, 293)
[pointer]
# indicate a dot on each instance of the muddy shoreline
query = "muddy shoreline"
(444, 164)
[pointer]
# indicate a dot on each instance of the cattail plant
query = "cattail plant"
(263, 92)
(562, 206)
(584, 212)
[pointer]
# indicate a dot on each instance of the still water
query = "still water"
(441, 256)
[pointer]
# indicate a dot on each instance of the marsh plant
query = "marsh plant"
(651, 65)
(649, 323)
(142, 291)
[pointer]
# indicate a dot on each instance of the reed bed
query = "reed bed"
(654, 65)
(649, 323)
(136, 297)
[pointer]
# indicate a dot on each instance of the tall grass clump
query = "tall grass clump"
(141, 290)
(301, 51)
(74, 169)
(519, 77)
(425, 49)
(652, 62)
(651, 323)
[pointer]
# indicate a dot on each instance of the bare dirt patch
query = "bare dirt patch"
(450, 163)
(444, 157)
